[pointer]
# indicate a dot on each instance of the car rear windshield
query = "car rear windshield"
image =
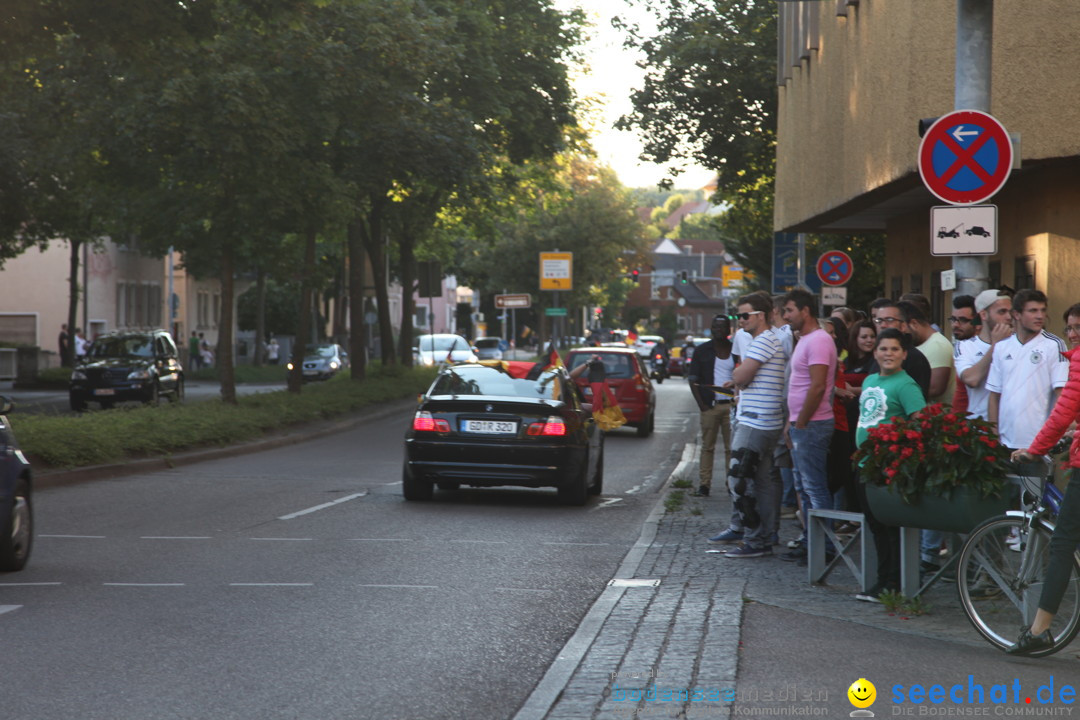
(495, 381)
(445, 343)
(617, 365)
(487, 343)
(123, 346)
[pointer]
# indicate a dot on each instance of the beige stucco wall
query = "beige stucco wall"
(847, 119)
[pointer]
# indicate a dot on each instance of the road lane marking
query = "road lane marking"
(176, 537)
(8, 608)
(271, 584)
(636, 488)
(298, 513)
(483, 542)
(144, 584)
(422, 587)
(382, 539)
(86, 537)
(28, 584)
(608, 503)
(528, 590)
(297, 539)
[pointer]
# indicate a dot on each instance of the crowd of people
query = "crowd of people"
(792, 395)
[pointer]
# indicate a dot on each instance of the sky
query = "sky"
(613, 75)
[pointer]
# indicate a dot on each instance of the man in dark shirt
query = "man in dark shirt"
(887, 314)
(709, 375)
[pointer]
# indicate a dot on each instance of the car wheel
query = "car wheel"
(597, 486)
(449, 486)
(77, 403)
(16, 529)
(577, 492)
(645, 429)
(414, 489)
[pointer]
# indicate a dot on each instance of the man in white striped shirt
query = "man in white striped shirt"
(754, 487)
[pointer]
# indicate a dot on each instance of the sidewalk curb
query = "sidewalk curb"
(283, 438)
(551, 686)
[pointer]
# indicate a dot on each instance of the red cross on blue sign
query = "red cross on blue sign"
(965, 157)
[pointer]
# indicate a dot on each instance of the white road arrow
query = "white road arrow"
(959, 133)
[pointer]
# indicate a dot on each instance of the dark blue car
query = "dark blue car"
(16, 514)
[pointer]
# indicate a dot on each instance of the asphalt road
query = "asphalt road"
(297, 583)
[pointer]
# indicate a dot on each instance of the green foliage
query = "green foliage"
(116, 435)
(675, 501)
(933, 452)
(244, 374)
(282, 299)
(57, 378)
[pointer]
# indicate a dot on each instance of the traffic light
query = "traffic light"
(683, 275)
(634, 274)
(599, 312)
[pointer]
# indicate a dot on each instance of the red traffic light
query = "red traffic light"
(634, 274)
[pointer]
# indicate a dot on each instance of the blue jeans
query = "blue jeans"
(810, 452)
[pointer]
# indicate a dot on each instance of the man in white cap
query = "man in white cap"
(993, 319)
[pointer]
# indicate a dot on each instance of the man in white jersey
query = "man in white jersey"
(972, 356)
(754, 487)
(1027, 373)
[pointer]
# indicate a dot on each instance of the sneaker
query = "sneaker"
(797, 542)
(702, 491)
(728, 536)
(787, 512)
(873, 594)
(794, 555)
(748, 551)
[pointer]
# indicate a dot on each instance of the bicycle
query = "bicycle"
(1002, 564)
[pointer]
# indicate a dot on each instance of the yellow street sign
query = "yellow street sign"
(556, 271)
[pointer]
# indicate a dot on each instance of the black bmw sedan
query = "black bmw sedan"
(479, 425)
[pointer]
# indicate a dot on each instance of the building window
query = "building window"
(916, 284)
(421, 316)
(1024, 275)
(121, 299)
(897, 287)
(217, 309)
(202, 309)
(995, 274)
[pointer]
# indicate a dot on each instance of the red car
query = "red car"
(628, 378)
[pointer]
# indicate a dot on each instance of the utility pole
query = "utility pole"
(974, 62)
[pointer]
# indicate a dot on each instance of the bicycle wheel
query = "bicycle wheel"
(999, 575)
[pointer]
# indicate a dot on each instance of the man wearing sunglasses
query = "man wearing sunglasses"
(753, 485)
(886, 313)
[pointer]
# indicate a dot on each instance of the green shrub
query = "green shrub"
(57, 377)
(101, 437)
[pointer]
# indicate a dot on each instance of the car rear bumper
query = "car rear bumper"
(526, 465)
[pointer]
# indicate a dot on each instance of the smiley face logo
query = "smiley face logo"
(862, 693)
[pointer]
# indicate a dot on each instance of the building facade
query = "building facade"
(856, 77)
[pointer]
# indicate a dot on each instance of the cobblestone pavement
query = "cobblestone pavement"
(683, 633)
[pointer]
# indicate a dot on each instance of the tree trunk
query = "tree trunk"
(73, 301)
(303, 329)
(407, 244)
(259, 353)
(341, 332)
(375, 244)
(357, 326)
(226, 363)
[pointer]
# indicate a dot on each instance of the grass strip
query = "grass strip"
(94, 438)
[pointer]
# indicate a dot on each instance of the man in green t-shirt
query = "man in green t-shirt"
(193, 351)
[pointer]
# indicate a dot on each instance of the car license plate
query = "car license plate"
(490, 427)
(105, 391)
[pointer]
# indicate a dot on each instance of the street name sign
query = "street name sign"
(517, 301)
(835, 268)
(555, 312)
(556, 271)
(963, 230)
(965, 157)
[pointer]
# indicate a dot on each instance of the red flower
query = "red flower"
(950, 417)
(890, 472)
(912, 434)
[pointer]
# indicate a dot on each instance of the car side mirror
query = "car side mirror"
(587, 407)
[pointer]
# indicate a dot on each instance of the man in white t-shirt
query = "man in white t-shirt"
(973, 356)
(1027, 373)
(754, 488)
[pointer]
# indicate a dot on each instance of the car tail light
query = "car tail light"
(554, 425)
(639, 383)
(425, 423)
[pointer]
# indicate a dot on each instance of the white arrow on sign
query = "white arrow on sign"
(959, 134)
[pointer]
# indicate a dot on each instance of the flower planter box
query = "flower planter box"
(959, 513)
